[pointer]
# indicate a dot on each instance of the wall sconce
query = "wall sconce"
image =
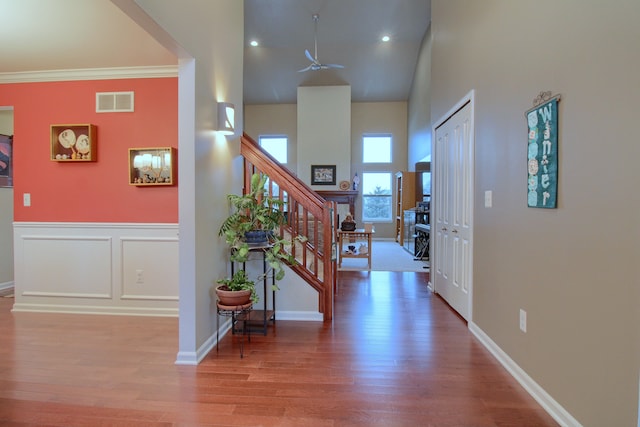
(226, 118)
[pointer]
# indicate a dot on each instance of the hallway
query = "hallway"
(396, 355)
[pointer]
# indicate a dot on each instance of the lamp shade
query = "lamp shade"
(226, 118)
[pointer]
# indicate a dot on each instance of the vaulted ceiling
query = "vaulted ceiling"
(349, 34)
(49, 35)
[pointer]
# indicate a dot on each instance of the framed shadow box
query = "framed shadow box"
(73, 143)
(152, 166)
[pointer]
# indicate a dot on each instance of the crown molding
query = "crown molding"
(90, 74)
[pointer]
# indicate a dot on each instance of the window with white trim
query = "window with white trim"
(376, 148)
(376, 197)
(276, 146)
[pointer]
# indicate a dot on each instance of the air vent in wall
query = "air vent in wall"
(114, 102)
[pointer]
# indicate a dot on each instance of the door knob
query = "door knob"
(454, 231)
(444, 228)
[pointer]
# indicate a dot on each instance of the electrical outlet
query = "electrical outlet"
(139, 276)
(523, 321)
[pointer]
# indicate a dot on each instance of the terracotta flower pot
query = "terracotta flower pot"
(232, 298)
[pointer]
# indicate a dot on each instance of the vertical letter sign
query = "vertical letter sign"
(542, 153)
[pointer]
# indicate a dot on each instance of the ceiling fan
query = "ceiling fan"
(315, 63)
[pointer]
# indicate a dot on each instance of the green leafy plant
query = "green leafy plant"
(241, 282)
(258, 211)
(255, 210)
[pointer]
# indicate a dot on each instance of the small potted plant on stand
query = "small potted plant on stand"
(254, 225)
(237, 290)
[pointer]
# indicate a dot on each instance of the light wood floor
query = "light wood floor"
(395, 355)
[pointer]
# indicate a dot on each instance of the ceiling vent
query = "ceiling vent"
(114, 102)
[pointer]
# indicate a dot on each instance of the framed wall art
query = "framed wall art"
(73, 143)
(542, 152)
(152, 166)
(323, 174)
(6, 161)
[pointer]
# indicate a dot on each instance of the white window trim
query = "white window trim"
(390, 196)
(378, 135)
(276, 136)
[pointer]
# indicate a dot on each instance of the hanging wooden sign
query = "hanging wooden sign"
(542, 152)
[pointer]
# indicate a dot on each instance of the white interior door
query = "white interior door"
(453, 205)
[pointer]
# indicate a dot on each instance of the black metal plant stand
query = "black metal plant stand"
(258, 320)
(239, 313)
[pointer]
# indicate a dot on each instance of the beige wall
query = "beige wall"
(419, 119)
(571, 268)
(379, 117)
(324, 125)
(6, 213)
(366, 117)
(274, 119)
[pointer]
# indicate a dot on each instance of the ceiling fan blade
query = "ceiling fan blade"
(308, 55)
(315, 64)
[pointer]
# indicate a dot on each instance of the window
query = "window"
(276, 146)
(376, 196)
(376, 149)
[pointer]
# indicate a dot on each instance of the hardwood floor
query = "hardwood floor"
(395, 355)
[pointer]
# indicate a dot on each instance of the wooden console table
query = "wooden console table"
(353, 237)
(341, 197)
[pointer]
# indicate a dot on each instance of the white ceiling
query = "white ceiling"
(39, 35)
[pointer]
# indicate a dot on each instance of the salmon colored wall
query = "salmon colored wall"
(91, 191)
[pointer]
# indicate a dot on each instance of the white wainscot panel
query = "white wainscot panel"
(93, 268)
(67, 266)
(149, 268)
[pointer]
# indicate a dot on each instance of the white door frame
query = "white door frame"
(469, 98)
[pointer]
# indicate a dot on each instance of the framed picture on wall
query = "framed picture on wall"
(6, 161)
(323, 174)
(73, 143)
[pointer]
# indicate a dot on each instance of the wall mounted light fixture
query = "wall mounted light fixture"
(226, 118)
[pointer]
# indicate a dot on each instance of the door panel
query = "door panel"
(442, 197)
(453, 202)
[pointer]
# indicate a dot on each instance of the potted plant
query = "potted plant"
(237, 290)
(255, 224)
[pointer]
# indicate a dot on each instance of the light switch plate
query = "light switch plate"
(488, 199)
(26, 199)
(523, 321)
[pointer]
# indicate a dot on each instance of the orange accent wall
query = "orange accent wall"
(91, 191)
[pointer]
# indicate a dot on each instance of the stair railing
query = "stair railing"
(310, 224)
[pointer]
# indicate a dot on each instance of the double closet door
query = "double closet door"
(453, 204)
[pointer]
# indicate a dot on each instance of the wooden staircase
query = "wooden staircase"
(308, 216)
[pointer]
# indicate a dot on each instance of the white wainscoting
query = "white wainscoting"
(100, 268)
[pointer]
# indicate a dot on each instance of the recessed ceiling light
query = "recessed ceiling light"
(385, 38)
(253, 43)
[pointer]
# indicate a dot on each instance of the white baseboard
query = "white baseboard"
(186, 358)
(194, 358)
(305, 316)
(545, 400)
(87, 309)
